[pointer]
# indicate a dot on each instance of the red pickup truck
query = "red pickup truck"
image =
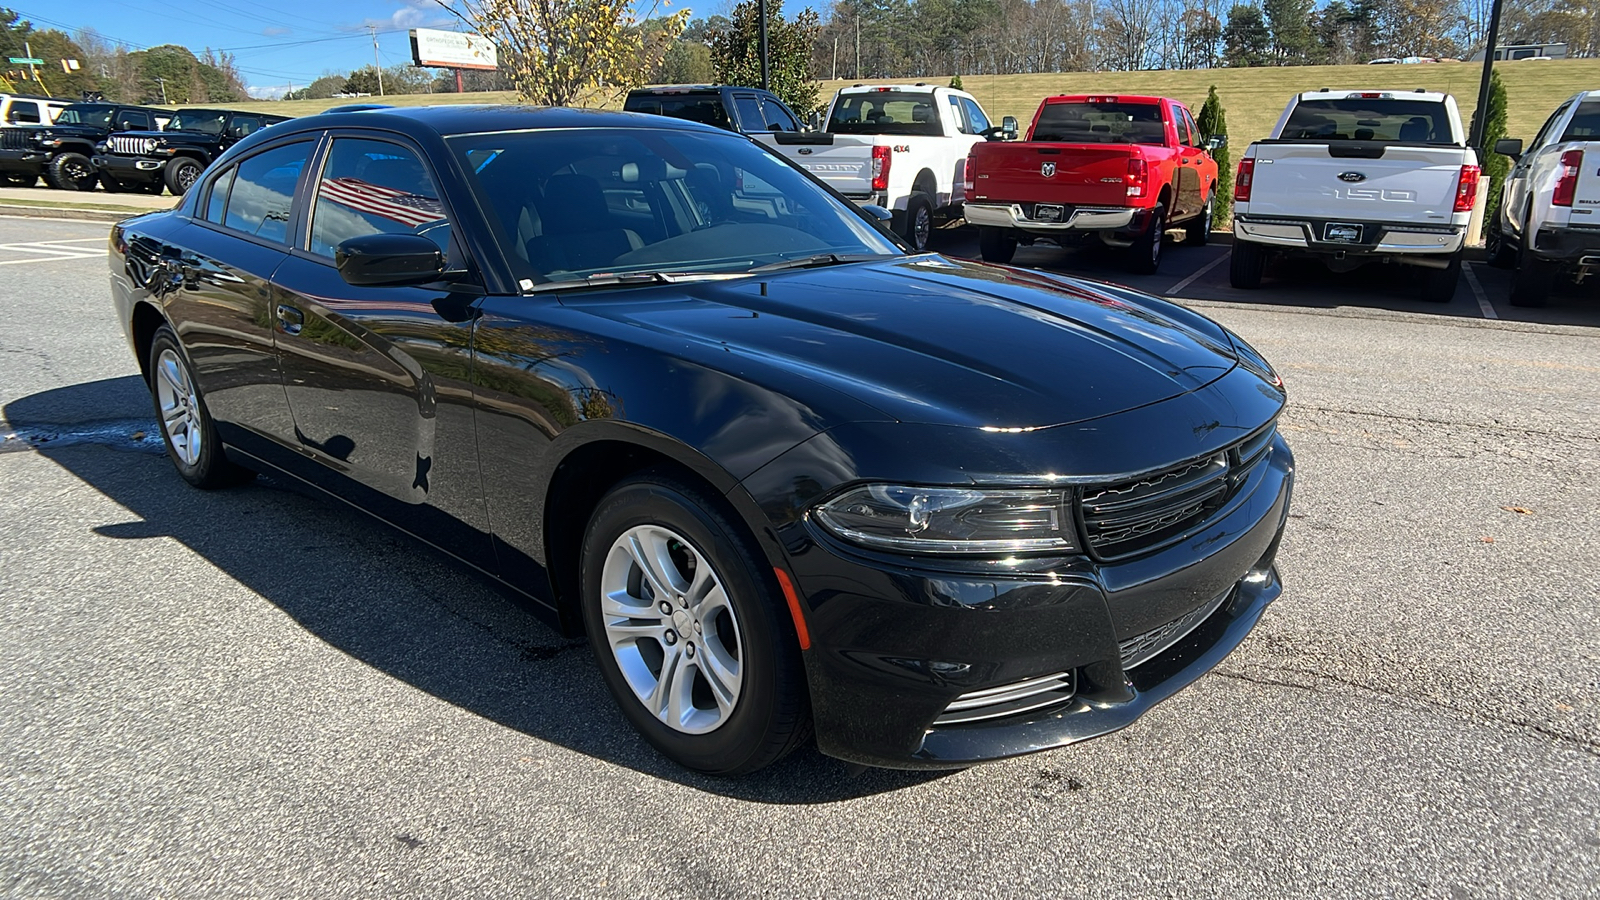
(1120, 168)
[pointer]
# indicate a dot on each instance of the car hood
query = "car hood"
(938, 341)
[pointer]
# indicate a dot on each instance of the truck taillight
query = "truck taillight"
(1467, 189)
(880, 168)
(966, 175)
(1567, 182)
(1241, 181)
(1138, 176)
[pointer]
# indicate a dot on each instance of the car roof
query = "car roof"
(1115, 98)
(476, 119)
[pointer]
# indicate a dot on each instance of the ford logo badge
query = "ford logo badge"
(1048, 170)
(1352, 177)
(805, 151)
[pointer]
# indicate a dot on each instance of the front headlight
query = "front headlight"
(951, 520)
(151, 145)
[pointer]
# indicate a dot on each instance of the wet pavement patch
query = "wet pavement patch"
(132, 434)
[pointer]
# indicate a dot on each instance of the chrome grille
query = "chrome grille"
(127, 146)
(1141, 648)
(1010, 699)
(1142, 514)
(13, 139)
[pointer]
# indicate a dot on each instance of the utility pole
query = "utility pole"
(1479, 115)
(33, 73)
(761, 7)
(373, 29)
(163, 82)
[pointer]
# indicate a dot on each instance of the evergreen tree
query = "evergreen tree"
(1213, 121)
(1495, 166)
(1246, 40)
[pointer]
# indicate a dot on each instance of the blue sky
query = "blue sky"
(286, 42)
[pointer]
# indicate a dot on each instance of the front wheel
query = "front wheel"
(182, 173)
(689, 631)
(1502, 253)
(997, 245)
(1198, 232)
(918, 225)
(1144, 257)
(73, 172)
(186, 425)
(18, 179)
(1247, 264)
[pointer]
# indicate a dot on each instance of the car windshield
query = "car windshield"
(98, 116)
(703, 107)
(570, 204)
(197, 120)
(1369, 119)
(1101, 123)
(882, 111)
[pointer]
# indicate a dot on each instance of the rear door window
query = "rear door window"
(261, 201)
(375, 187)
(133, 120)
(217, 200)
(243, 126)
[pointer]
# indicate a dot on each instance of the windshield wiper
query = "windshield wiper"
(820, 259)
(614, 279)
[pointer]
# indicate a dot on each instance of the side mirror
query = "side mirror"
(883, 216)
(1511, 147)
(389, 259)
(1216, 142)
(1008, 127)
(814, 121)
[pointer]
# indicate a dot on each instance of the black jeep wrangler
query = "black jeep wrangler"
(177, 155)
(61, 151)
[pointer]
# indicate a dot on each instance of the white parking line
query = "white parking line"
(1173, 291)
(1477, 289)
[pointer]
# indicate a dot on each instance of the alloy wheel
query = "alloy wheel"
(671, 629)
(922, 228)
(180, 408)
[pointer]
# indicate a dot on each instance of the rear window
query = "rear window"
(1585, 124)
(1101, 123)
(705, 108)
(1373, 119)
(886, 112)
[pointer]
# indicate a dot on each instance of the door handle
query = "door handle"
(291, 320)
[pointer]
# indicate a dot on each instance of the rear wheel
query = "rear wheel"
(181, 174)
(1198, 231)
(1144, 257)
(114, 186)
(689, 632)
(918, 224)
(73, 171)
(1533, 281)
(1502, 253)
(18, 179)
(186, 425)
(997, 245)
(1439, 285)
(1247, 264)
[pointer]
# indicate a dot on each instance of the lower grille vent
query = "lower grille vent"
(1010, 699)
(1141, 648)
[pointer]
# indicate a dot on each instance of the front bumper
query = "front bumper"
(1080, 218)
(894, 646)
(130, 168)
(1376, 238)
(29, 162)
(1573, 244)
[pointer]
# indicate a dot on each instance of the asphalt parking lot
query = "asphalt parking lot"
(256, 693)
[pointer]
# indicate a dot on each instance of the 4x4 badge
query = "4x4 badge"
(1048, 170)
(1352, 177)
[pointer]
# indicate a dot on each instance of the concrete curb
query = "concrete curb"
(66, 212)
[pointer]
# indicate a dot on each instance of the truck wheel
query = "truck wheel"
(1244, 269)
(1198, 232)
(1144, 257)
(997, 245)
(181, 174)
(1533, 281)
(1439, 285)
(18, 179)
(1502, 254)
(918, 222)
(73, 171)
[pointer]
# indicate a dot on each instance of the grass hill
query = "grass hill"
(1253, 97)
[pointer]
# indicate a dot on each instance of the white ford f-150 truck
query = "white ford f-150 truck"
(1352, 177)
(899, 146)
(1548, 223)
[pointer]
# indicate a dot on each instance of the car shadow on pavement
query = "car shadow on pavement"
(388, 600)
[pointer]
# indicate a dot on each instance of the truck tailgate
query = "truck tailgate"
(843, 161)
(1406, 183)
(1586, 199)
(1028, 172)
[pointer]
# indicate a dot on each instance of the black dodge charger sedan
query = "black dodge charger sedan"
(688, 402)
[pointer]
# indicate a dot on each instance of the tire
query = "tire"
(181, 174)
(997, 245)
(113, 186)
(1198, 232)
(1144, 257)
(761, 712)
(187, 429)
(72, 171)
(1533, 281)
(1439, 285)
(917, 225)
(1502, 253)
(1246, 265)
(18, 179)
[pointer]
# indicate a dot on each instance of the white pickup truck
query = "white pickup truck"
(1353, 177)
(1548, 223)
(899, 146)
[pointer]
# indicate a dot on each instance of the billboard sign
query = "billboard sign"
(452, 50)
